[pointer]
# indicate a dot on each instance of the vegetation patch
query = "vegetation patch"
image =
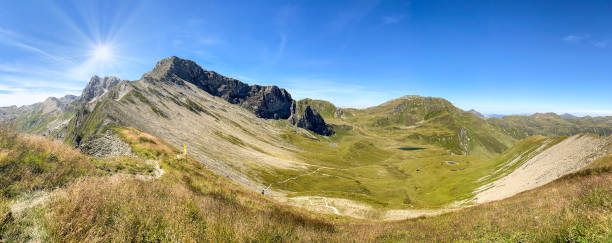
(30, 163)
(231, 139)
(124, 164)
(190, 203)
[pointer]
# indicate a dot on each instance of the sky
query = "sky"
(498, 57)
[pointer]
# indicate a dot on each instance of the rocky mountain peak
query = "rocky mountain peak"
(265, 101)
(97, 86)
(176, 69)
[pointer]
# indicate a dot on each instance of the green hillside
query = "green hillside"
(72, 197)
(551, 124)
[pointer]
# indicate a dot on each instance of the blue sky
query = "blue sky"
(504, 57)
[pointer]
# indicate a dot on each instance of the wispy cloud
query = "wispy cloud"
(575, 38)
(281, 48)
(285, 14)
(587, 39)
(27, 97)
(24, 96)
(8, 37)
(392, 19)
(350, 17)
(601, 44)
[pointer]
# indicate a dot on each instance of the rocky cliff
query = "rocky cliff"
(264, 101)
(98, 86)
(305, 117)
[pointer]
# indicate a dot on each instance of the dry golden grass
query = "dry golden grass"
(189, 203)
(33, 163)
(127, 209)
(144, 144)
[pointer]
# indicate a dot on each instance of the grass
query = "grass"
(29, 163)
(124, 164)
(362, 160)
(575, 209)
(362, 164)
(190, 203)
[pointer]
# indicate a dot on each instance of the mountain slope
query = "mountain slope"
(261, 153)
(264, 101)
(432, 120)
(44, 118)
(190, 203)
(551, 124)
(411, 153)
(549, 162)
(225, 137)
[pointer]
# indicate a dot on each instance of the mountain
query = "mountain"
(551, 124)
(44, 118)
(567, 116)
(264, 101)
(409, 153)
(157, 194)
(431, 120)
(476, 113)
(96, 87)
(51, 117)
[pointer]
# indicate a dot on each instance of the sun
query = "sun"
(102, 53)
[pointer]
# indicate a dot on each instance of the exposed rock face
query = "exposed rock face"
(53, 104)
(307, 118)
(98, 86)
(109, 145)
(264, 101)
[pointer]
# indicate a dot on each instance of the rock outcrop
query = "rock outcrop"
(108, 145)
(52, 104)
(307, 118)
(97, 86)
(265, 101)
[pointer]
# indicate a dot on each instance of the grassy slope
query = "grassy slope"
(360, 163)
(362, 159)
(325, 108)
(189, 203)
(37, 122)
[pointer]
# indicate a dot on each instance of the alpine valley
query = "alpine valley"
(186, 154)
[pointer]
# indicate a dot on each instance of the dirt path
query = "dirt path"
(345, 207)
(327, 206)
(293, 178)
(29, 200)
